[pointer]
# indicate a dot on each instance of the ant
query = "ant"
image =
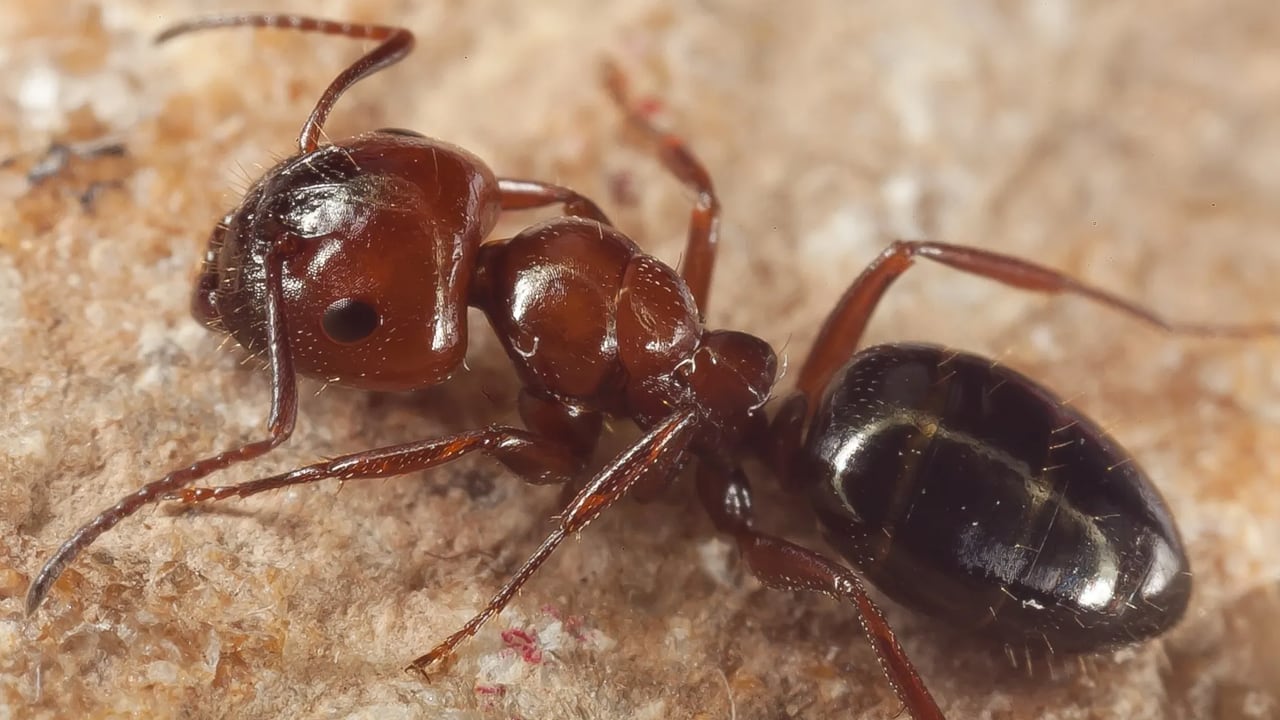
(959, 487)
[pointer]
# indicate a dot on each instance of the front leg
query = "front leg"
(531, 194)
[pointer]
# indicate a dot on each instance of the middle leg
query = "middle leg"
(555, 449)
(534, 458)
(675, 155)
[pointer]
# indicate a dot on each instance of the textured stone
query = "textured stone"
(1131, 144)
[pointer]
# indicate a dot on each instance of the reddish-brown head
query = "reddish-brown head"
(383, 229)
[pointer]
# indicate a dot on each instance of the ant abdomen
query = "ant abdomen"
(967, 491)
(386, 227)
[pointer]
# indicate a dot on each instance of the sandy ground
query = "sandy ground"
(1132, 144)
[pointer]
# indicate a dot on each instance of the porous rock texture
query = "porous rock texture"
(1131, 144)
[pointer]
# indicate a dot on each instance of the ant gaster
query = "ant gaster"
(958, 486)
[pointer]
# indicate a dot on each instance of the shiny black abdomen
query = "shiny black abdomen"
(966, 491)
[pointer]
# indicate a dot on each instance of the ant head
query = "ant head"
(382, 231)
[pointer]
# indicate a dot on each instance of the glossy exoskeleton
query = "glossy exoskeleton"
(1005, 509)
(958, 486)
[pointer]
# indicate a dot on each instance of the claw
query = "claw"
(433, 664)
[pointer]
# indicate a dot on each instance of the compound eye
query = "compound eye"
(349, 321)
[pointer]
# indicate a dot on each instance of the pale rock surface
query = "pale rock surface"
(1134, 144)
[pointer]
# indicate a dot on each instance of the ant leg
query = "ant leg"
(280, 422)
(679, 160)
(533, 457)
(657, 453)
(396, 44)
(527, 453)
(577, 427)
(531, 194)
(781, 565)
(844, 326)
